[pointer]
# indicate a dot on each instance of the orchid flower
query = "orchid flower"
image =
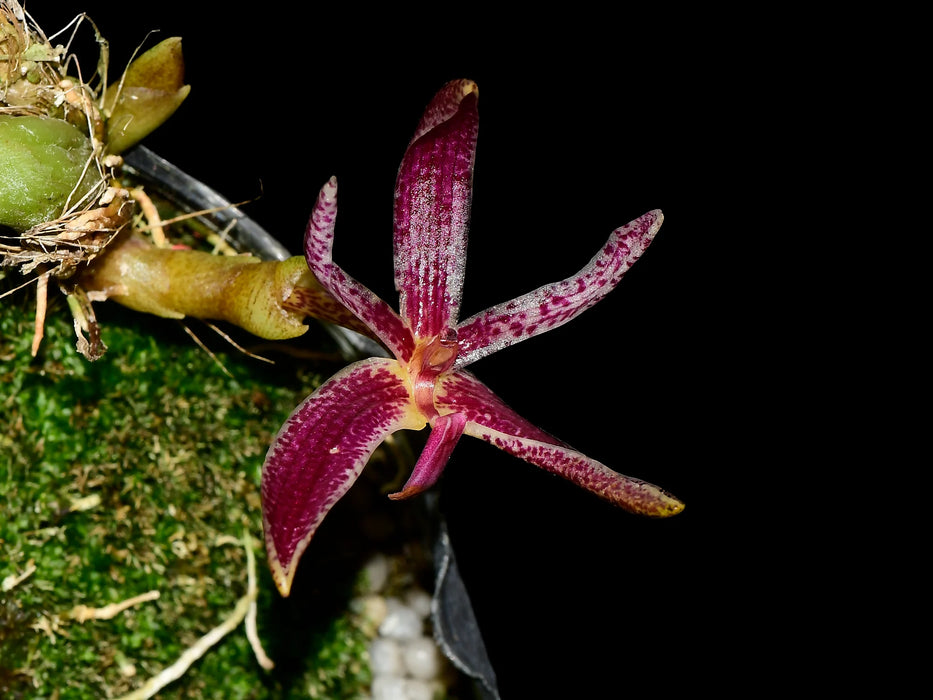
(324, 445)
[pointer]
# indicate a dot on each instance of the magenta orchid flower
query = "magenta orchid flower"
(324, 445)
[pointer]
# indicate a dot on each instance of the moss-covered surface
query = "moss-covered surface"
(139, 472)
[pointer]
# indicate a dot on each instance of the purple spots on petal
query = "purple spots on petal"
(633, 495)
(382, 322)
(553, 305)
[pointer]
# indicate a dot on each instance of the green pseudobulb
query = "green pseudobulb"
(44, 162)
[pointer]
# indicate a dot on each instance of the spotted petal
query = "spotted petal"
(490, 419)
(321, 450)
(378, 316)
(432, 208)
(553, 305)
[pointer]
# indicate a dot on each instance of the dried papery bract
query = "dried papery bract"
(28, 63)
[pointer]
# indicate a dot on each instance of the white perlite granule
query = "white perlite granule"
(404, 659)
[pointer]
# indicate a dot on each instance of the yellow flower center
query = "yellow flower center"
(432, 357)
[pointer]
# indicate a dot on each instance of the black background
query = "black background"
(585, 124)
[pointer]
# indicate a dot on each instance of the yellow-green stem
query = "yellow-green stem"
(270, 299)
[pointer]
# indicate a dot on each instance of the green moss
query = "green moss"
(138, 472)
